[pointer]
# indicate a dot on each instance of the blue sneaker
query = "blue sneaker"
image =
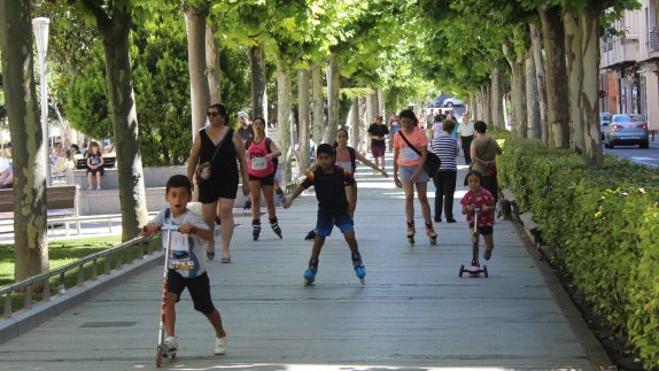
(310, 274)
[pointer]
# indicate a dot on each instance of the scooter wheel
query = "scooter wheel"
(158, 357)
(485, 271)
(462, 270)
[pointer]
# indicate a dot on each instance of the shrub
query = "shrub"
(603, 225)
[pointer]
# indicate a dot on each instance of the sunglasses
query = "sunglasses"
(212, 113)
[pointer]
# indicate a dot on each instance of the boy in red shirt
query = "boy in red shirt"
(479, 198)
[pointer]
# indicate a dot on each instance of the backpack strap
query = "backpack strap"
(168, 213)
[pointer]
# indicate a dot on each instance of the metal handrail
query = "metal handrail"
(44, 278)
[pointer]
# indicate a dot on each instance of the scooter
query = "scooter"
(474, 270)
(161, 349)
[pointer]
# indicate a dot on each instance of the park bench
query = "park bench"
(62, 205)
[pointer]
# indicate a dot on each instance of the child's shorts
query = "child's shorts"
(199, 287)
(326, 222)
(486, 230)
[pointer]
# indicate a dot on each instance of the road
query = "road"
(648, 157)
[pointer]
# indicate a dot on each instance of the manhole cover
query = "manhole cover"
(108, 324)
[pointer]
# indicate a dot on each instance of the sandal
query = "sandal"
(225, 260)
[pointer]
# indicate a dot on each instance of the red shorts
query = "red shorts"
(378, 151)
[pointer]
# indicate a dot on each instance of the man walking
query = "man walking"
(377, 132)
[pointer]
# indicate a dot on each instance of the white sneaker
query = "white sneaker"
(171, 343)
(220, 345)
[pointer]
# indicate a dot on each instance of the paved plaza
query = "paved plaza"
(414, 313)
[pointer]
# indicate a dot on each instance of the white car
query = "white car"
(453, 101)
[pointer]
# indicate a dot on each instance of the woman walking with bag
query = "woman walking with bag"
(410, 154)
(213, 164)
(446, 147)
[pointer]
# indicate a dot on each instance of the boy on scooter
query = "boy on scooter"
(186, 268)
(479, 198)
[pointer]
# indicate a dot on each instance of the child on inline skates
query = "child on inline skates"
(481, 200)
(186, 268)
(336, 206)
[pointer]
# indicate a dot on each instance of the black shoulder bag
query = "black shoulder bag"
(432, 161)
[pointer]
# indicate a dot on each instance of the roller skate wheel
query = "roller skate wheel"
(462, 270)
(485, 271)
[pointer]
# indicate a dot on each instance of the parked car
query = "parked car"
(627, 129)
(605, 120)
(452, 101)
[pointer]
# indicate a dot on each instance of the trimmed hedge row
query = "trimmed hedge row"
(603, 227)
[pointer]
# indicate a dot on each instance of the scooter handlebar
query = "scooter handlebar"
(170, 227)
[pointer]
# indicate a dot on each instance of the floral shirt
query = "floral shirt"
(480, 199)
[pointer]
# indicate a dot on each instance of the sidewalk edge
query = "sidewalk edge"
(24, 321)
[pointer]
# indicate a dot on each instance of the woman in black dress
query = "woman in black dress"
(223, 148)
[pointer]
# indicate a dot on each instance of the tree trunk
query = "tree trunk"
(371, 109)
(575, 75)
(318, 127)
(485, 104)
(303, 89)
(27, 140)
(213, 72)
(532, 104)
(536, 44)
(583, 31)
(195, 25)
(381, 106)
(333, 98)
(284, 121)
(257, 68)
(123, 112)
(497, 100)
(553, 39)
(363, 141)
(353, 116)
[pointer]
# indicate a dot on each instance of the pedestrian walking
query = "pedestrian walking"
(479, 202)
(466, 133)
(393, 126)
(484, 150)
(213, 164)
(446, 148)
(378, 132)
(409, 158)
(186, 265)
(336, 206)
(262, 155)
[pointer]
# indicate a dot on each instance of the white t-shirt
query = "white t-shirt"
(185, 247)
(466, 130)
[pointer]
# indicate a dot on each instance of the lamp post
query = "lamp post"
(40, 28)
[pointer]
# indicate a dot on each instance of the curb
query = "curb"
(597, 356)
(24, 321)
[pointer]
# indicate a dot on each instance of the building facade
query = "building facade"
(629, 76)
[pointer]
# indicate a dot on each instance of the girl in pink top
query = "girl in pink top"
(262, 156)
(408, 172)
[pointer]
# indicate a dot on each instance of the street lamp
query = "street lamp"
(40, 28)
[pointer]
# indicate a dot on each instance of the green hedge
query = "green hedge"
(603, 226)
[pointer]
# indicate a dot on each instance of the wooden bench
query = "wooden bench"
(62, 202)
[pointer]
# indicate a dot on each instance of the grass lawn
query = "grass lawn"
(64, 252)
(59, 253)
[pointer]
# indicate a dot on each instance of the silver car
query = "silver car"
(627, 129)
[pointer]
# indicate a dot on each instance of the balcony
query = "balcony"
(653, 39)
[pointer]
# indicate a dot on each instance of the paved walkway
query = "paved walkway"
(414, 313)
